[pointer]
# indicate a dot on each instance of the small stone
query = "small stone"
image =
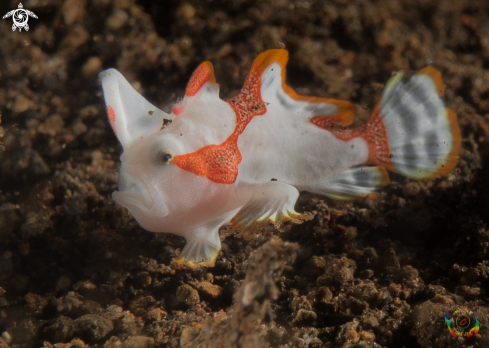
(3, 303)
(371, 254)
(317, 262)
(92, 307)
(122, 4)
(144, 279)
(389, 262)
(76, 37)
(337, 271)
(117, 20)
(131, 324)
(83, 286)
(366, 274)
(53, 125)
(357, 306)
(299, 303)
(315, 266)
(73, 10)
(113, 342)
(367, 336)
(395, 289)
(3, 343)
(139, 342)
(69, 304)
(209, 290)
(60, 330)
(370, 322)
(324, 294)
(209, 277)
(22, 104)
(35, 302)
(432, 290)
(187, 295)
(351, 336)
(469, 291)
(408, 272)
(93, 326)
(88, 112)
(441, 299)
(186, 11)
(275, 335)
(113, 312)
(23, 333)
(141, 302)
(156, 314)
(6, 337)
(411, 189)
(77, 343)
(366, 292)
(351, 233)
(79, 128)
(304, 318)
(31, 161)
(92, 67)
(404, 294)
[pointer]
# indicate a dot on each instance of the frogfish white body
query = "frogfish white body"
(244, 160)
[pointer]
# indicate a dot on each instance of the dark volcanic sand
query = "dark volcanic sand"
(77, 271)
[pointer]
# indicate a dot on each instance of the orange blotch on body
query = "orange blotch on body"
(219, 163)
(111, 114)
(373, 132)
(177, 108)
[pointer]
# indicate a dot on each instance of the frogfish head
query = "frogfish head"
(160, 195)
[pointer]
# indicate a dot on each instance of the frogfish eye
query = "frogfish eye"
(162, 153)
(166, 157)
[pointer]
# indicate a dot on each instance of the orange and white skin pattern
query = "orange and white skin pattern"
(244, 160)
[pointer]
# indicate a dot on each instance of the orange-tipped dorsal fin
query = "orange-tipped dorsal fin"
(202, 75)
(201, 86)
(329, 110)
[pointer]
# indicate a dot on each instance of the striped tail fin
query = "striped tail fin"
(409, 132)
(423, 136)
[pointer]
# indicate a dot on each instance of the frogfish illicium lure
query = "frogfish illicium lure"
(244, 160)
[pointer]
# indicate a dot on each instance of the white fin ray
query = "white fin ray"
(272, 201)
(203, 245)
